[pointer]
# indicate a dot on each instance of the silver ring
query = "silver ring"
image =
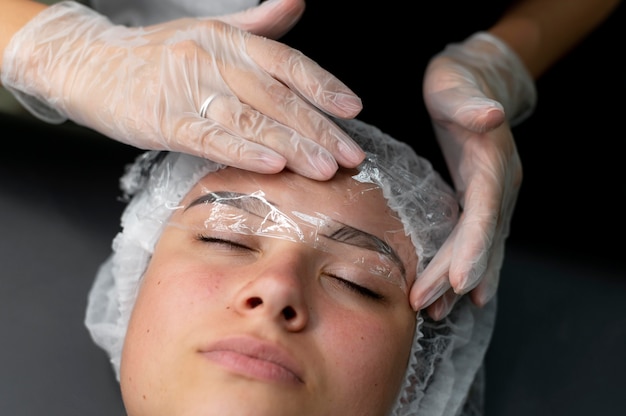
(205, 105)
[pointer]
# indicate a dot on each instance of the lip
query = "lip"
(254, 358)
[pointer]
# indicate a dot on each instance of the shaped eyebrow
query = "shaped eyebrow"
(244, 202)
(359, 238)
(343, 234)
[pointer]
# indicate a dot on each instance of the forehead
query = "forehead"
(342, 198)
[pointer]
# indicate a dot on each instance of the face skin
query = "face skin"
(227, 323)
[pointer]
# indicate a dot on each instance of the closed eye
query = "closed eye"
(222, 242)
(347, 284)
(361, 290)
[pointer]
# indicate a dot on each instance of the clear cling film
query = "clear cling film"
(222, 214)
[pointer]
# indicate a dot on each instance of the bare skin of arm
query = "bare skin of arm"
(543, 31)
(15, 14)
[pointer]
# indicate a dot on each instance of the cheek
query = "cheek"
(173, 292)
(173, 300)
(372, 349)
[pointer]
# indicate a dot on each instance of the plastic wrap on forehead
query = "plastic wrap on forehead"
(227, 212)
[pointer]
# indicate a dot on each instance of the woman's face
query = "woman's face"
(257, 314)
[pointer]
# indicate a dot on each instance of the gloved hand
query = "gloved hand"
(474, 91)
(147, 86)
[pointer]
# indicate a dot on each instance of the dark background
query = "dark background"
(560, 340)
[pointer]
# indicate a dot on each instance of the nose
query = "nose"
(277, 292)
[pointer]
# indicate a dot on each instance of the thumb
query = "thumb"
(271, 19)
(466, 107)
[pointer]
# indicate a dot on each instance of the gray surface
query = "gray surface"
(57, 218)
(558, 348)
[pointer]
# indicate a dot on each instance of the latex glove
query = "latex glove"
(145, 87)
(474, 91)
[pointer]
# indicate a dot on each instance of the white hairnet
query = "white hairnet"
(149, 12)
(443, 375)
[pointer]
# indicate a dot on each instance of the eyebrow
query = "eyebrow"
(344, 234)
(244, 202)
(355, 237)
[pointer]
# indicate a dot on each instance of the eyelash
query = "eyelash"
(358, 289)
(214, 240)
(361, 290)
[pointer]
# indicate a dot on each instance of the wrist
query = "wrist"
(42, 55)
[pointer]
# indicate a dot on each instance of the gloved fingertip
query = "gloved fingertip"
(320, 168)
(493, 118)
(351, 152)
(482, 295)
(326, 164)
(272, 162)
(348, 105)
(462, 286)
(417, 305)
(432, 296)
(440, 309)
(464, 281)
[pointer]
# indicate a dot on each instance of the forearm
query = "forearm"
(543, 31)
(14, 15)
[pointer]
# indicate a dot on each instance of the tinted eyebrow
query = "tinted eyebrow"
(244, 202)
(355, 237)
(343, 233)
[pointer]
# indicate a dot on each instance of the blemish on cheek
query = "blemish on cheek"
(143, 396)
(148, 331)
(158, 283)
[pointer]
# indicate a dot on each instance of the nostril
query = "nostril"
(289, 313)
(254, 302)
